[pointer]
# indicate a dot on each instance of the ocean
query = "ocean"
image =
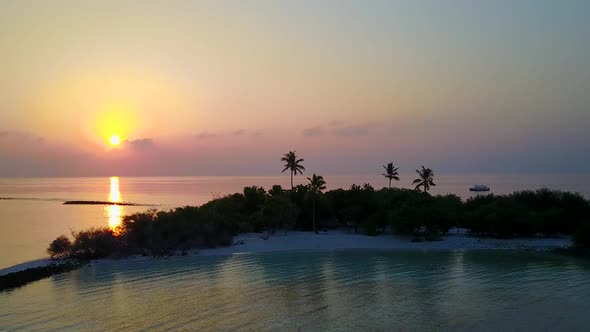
(32, 212)
(345, 290)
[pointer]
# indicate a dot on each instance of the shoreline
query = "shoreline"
(40, 262)
(341, 240)
(456, 239)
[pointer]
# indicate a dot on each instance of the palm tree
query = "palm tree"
(391, 173)
(316, 185)
(425, 179)
(292, 164)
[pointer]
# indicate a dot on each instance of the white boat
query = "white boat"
(479, 187)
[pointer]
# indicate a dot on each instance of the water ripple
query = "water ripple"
(341, 290)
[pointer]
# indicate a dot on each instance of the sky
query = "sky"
(227, 87)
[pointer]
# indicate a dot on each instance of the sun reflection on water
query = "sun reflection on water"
(115, 212)
(115, 194)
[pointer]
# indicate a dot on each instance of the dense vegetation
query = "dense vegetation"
(527, 213)
(359, 208)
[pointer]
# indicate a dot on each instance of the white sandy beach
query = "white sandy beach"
(335, 240)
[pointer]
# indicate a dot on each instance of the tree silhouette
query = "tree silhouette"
(292, 164)
(316, 185)
(60, 247)
(391, 173)
(425, 179)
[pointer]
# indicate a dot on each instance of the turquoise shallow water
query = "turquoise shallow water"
(341, 290)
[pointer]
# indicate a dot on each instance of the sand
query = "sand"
(334, 240)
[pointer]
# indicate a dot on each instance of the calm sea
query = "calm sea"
(311, 291)
(35, 215)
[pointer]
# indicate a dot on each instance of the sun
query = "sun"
(115, 140)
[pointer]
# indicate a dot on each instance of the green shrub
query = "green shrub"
(254, 198)
(94, 243)
(60, 247)
(526, 213)
(276, 190)
(415, 215)
(279, 212)
(370, 225)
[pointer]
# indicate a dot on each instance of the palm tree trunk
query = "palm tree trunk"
(390, 183)
(313, 215)
(291, 180)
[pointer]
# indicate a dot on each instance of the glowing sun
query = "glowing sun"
(115, 140)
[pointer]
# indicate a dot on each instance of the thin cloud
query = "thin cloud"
(352, 131)
(205, 135)
(336, 123)
(239, 132)
(338, 128)
(313, 131)
(140, 144)
(7, 135)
